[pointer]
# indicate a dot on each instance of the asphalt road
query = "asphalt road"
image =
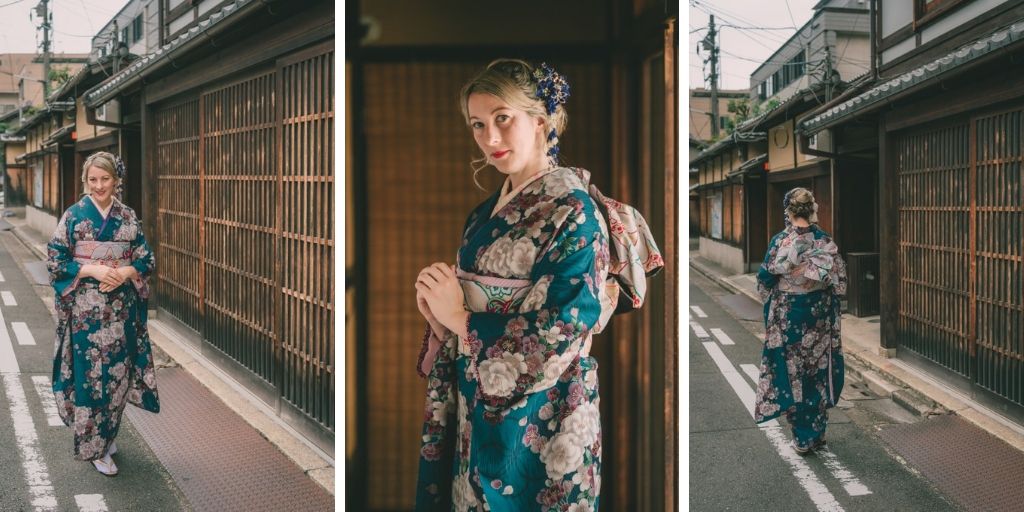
(738, 465)
(38, 470)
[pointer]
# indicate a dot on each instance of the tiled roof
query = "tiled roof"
(110, 87)
(941, 66)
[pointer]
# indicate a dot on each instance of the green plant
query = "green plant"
(60, 75)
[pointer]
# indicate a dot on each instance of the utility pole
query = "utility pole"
(711, 45)
(43, 12)
(114, 54)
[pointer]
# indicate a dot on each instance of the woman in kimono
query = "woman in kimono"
(801, 282)
(99, 264)
(511, 420)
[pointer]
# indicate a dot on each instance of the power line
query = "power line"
(12, 3)
(781, 63)
(737, 19)
(755, 28)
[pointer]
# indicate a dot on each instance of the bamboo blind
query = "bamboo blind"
(420, 192)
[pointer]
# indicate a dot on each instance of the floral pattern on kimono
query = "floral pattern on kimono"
(801, 281)
(512, 417)
(102, 353)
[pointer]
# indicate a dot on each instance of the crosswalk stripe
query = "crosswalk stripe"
(723, 338)
(8, 363)
(2, 277)
(697, 329)
(8, 298)
(22, 333)
(700, 312)
(90, 503)
(43, 498)
(46, 397)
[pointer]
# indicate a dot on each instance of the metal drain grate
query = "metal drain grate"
(220, 461)
(968, 464)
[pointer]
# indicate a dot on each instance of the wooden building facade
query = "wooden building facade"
(231, 124)
(948, 151)
(412, 187)
(731, 190)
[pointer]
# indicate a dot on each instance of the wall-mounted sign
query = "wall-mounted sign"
(716, 216)
(780, 138)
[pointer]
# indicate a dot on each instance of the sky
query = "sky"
(742, 50)
(75, 22)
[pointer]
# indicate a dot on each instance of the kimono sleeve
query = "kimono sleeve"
(60, 258)
(519, 353)
(142, 255)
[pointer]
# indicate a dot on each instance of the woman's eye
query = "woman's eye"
(503, 117)
(477, 125)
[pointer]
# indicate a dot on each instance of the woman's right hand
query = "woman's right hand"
(421, 304)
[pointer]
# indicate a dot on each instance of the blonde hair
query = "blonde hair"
(512, 81)
(801, 204)
(100, 159)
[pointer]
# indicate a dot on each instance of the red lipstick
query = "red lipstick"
(499, 154)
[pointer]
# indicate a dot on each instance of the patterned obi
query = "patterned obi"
(500, 295)
(110, 254)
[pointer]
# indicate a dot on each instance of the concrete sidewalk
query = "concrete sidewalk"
(279, 468)
(880, 367)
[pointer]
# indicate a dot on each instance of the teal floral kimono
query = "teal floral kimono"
(801, 282)
(512, 419)
(102, 356)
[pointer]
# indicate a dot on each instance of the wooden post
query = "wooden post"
(888, 228)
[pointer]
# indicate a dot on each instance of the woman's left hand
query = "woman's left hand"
(443, 293)
(114, 278)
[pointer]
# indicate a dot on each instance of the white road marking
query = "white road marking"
(22, 333)
(91, 503)
(851, 484)
(701, 333)
(700, 312)
(819, 494)
(8, 298)
(739, 386)
(723, 338)
(8, 363)
(47, 398)
(2, 278)
(753, 372)
(43, 498)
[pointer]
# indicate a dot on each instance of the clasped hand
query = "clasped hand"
(440, 299)
(110, 278)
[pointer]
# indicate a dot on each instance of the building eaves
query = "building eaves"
(36, 118)
(754, 164)
(60, 133)
(941, 67)
(162, 56)
(783, 111)
(727, 142)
